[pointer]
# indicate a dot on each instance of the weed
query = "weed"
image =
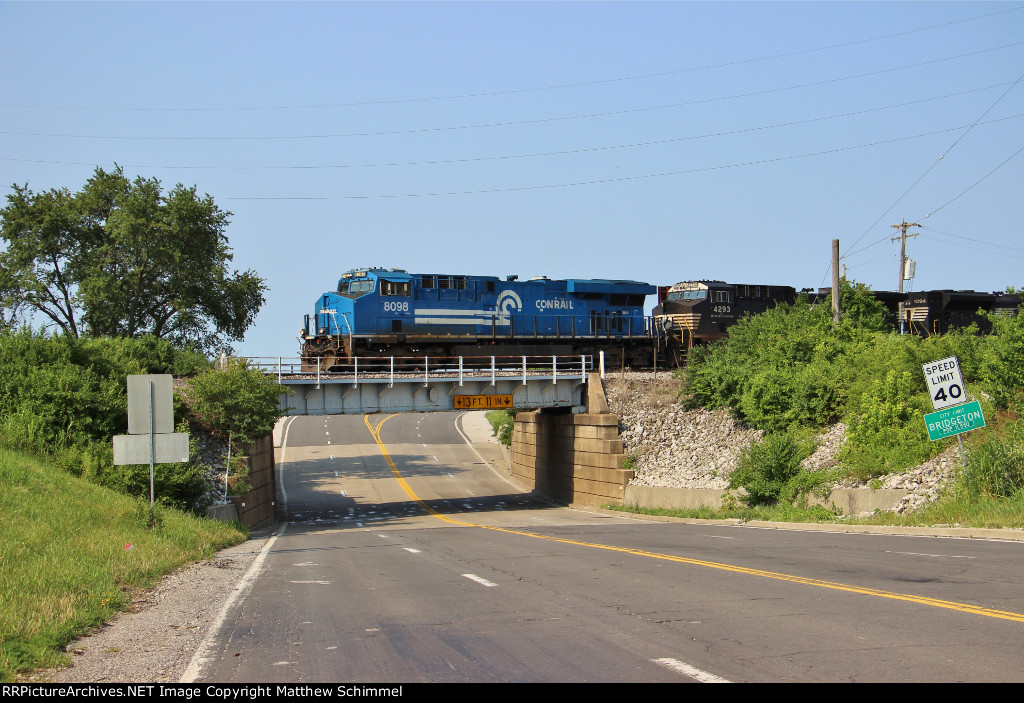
(767, 467)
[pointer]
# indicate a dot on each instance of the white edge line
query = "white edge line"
(486, 463)
(205, 653)
(480, 580)
(280, 466)
(691, 671)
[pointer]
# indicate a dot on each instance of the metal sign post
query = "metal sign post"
(151, 437)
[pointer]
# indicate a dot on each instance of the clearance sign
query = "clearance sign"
(483, 402)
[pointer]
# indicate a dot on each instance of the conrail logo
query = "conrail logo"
(508, 302)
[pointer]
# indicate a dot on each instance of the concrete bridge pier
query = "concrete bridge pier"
(571, 458)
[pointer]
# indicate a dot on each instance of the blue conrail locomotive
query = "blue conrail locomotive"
(390, 312)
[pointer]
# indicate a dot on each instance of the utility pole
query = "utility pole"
(835, 281)
(903, 258)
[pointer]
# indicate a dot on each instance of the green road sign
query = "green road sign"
(953, 421)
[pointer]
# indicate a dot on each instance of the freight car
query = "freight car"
(390, 312)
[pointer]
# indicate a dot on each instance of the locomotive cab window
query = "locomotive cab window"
(354, 289)
(688, 295)
(721, 296)
(395, 288)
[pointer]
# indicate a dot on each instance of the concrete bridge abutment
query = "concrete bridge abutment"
(574, 458)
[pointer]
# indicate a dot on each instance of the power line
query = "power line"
(561, 86)
(944, 154)
(1012, 251)
(515, 123)
(967, 190)
(564, 152)
(610, 180)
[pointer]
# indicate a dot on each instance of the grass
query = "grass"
(957, 509)
(777, 513)
(72, 553)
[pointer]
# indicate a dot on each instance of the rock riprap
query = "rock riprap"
(672, 447)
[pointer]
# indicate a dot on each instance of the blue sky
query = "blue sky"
(655, 141)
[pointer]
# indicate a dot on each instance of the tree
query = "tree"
(237, 402)
(40, 269)
(859, 307)
(121, 258)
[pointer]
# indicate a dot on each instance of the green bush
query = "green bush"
(237, 401)
(65, 398)
(1002, 366)
(819, 393)
(502, 424)
(768, 466)
(888, 433)
(767, 400)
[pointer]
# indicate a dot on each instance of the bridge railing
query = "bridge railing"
(427, 368)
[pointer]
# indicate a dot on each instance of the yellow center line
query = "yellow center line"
(923, 600)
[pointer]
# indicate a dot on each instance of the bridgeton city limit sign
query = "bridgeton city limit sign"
(946, 389)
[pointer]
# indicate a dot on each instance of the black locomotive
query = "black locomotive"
(697, 312)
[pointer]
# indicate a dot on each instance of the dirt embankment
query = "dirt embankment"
(676, 448)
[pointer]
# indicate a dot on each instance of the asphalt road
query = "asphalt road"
(407, 558)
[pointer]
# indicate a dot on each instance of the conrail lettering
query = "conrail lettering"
(554, 305)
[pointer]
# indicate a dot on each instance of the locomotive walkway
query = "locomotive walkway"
(426, 384)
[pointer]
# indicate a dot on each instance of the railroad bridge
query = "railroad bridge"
(425, 384)
(571, 457)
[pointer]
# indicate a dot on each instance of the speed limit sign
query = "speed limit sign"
(945, 384)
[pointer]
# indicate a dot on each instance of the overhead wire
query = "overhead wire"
(561, 86)
(936, 162)
(514, 123)
(620, 178)
(564, 152)
(976, 183)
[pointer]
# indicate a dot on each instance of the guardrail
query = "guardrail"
(406, 368)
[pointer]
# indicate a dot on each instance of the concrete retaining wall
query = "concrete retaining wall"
(848, 501)
(256, 508)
